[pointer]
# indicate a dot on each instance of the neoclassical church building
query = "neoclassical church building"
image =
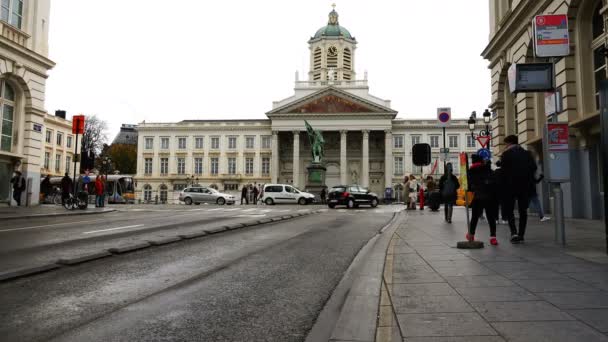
(365, 143)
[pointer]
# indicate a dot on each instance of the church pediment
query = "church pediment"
(331, 101)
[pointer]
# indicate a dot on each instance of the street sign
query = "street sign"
(557, 134)
(484, 153)
(483, 140)
(551, 38)
(78, 124)
(443, 116)
(530, 77)
(444, 150)
(551, 102)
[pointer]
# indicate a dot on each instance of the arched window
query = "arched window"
(7, 116)
(147, 193)
(317, 64)
(163, 193)
(11, 11)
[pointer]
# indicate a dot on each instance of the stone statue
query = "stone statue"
(316, 143)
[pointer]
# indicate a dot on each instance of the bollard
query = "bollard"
(558, 206)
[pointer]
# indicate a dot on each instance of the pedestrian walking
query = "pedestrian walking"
(256, 192)
(414, 187)
(406, 192)
(448, 187)
(323, 195)
(535, 201)
(66, 187)
(483, 185)
(244, 195)
(18, 186)
(46, 188)
(99, 191)
(518, 175)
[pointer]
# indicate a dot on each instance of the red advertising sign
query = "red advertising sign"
(78, 124)
(557, 134)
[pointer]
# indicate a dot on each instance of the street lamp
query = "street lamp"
(487, 116)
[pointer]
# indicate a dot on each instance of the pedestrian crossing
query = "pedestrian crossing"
(264, 210)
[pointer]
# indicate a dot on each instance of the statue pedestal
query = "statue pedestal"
(315, 181)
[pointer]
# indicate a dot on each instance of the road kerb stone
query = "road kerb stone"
(250, 224)
(193, 235)
(25, 271)
(214, 230)
(287, 217)
(164, 241)
(129, 248)
(83, 257)
(262, 221)
(235, 226)
(275, 219)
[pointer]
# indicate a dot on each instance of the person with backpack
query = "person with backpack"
(483, 185)
(518, 177)
(18, 186)
(448, 187)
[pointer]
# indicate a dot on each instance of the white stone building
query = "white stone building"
(59, 144)
(24, 65)
(364, 141)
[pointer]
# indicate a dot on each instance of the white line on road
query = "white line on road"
(232, 209)
(48, 225)
(248, 210)
(251, 215)
(283, 210)
(215, 209)
(303, 210)
(109, 229)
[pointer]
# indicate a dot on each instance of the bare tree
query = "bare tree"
(95, 134)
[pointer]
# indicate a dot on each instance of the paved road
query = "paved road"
(265, 283)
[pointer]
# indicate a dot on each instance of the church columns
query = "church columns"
(296, 158)
(343, 160)
(274, 167)
(365, 160)
(388, 158)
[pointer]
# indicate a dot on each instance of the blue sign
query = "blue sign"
(484, 153)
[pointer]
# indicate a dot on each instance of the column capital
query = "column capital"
(365, 133)
(296, 132)
(275, 132)
(343, 131)
(388, 131)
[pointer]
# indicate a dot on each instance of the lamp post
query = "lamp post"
(487, 116)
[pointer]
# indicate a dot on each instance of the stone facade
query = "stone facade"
(511, 41)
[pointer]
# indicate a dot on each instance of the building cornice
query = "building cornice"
(26, 53)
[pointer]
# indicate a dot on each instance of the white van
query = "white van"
(283, 193)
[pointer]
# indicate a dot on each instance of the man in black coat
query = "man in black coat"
(518, 168)
(66, 187)
(483, 185)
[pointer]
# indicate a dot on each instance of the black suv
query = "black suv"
(352, 196)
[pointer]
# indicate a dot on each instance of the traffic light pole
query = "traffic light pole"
(444, 159)
(76, 157)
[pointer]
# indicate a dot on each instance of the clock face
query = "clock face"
(332, 51)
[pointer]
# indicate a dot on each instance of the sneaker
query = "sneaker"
(493, 241)
(514, 238)
(545, 218)
(469, 237)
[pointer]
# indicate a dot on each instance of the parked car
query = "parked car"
(283, 193)
(197, 195)
(351, 196)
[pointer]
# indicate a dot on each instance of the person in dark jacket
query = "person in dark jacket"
(448, 187)
(323, 195)
(244, 195)
(45, 187)
(483, 185)
(256, 193)
(66, 188)
(518, 169)
(18, 186)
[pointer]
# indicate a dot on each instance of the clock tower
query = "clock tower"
(332, 52)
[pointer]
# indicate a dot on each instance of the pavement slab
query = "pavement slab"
(520, 311)
(428, 289)
(456, 339)
(496, 294)
(577, 300)
(444, 324)
(548, 332)
(597, 318)
(479, 281)
(554, 285)
(430, 304)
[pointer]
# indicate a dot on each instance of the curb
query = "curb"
(68, 213)
(116, 251)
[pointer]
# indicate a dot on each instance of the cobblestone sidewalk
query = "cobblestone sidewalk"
(533, 292)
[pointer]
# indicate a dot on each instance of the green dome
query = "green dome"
(333, 28)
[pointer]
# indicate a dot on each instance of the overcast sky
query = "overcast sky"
(166, 61)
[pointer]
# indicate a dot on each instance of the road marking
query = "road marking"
(109, 229)
(248, 210)
(305, 209)
(322, 209)
(48, 225)
(232, 209)
(341, 210)
(215, 209)
(251, 215)
(283, 210)
(265, 210)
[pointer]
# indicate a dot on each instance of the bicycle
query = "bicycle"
(72, 202)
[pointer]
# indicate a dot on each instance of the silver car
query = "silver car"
(196, 195)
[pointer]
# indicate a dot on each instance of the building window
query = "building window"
(47, 160)
(470, 141)
(181, 143)
(453, 140)
(249, 166)
(68, 163)
(49, 136)
(164, 143)
(434, 141)
(415, 139)
(266, 142)
(250, 142)
(147, 193)
(59, 139)
(7, 112)
(198, 143)
(198, 166)
(164, 166)
(214, 166)
(265, 166)
(215, 143)
(149, 143)
(58, 163)
(148, 166)
(231, 187)
(232, 166)
(232, 143)
(398, 141)
(163, 193)
(179, 187)
(68, 142)
(398, 166)
(11, 12)
(181, 166)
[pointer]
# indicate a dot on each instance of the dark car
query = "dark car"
(351, 196)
